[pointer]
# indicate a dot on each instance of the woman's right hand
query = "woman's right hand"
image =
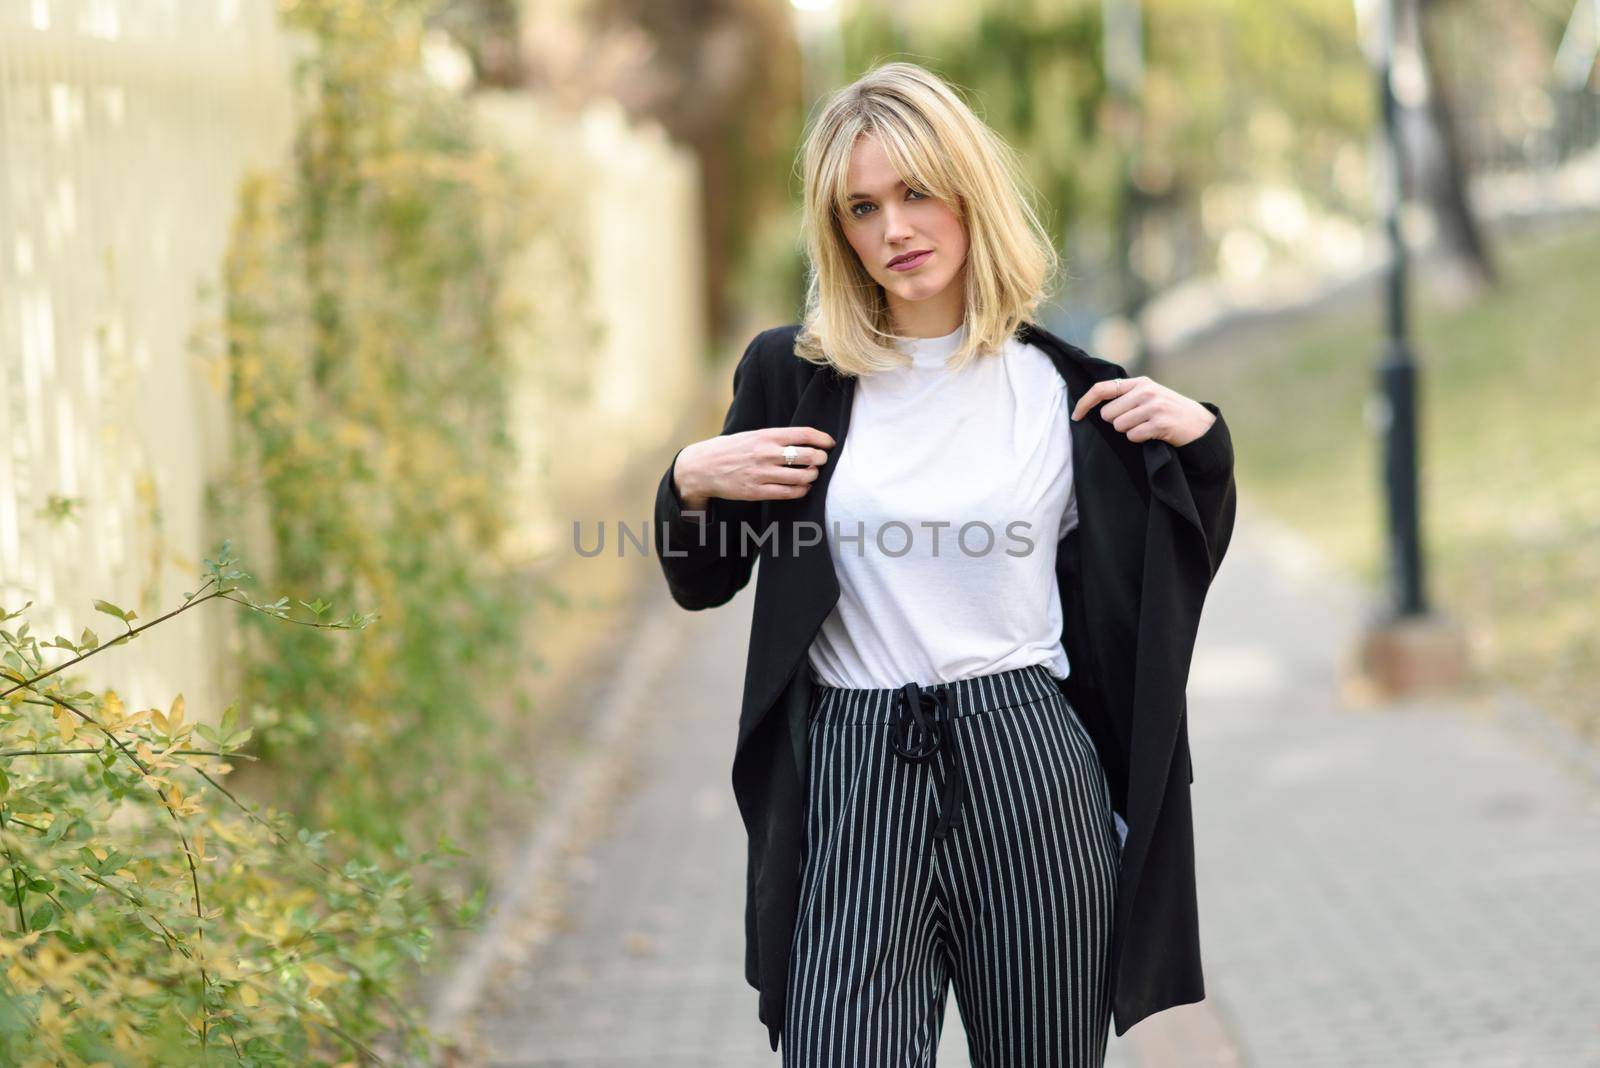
(748, 466)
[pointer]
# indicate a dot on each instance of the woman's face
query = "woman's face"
(885, 220)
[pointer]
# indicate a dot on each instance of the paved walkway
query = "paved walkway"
(1406, 886)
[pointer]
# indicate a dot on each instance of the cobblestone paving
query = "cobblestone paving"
(1413, 884)
(1401, 886)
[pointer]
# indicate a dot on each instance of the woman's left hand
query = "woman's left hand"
(1143, 408)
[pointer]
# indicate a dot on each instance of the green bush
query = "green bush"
(367, 383)
(149, 916)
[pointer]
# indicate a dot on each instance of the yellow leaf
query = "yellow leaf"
(138, 986)
(253, 931)
(321, 973)
(175, 717)
(21, 981)
(248, 997)
(125, 1038)
(66, 724)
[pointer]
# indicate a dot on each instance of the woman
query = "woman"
(962, 754)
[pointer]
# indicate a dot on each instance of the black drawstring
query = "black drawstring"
(929, 738)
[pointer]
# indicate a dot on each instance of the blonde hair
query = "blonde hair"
(941, 148)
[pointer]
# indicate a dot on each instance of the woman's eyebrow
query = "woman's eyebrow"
(868, 196)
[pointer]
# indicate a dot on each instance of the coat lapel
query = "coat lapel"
(802, 587)
(825, 405)
(1148, 663)
(1169, 484)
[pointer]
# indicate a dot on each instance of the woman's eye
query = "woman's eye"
(864, 204)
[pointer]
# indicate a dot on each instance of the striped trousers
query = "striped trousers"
(961, 832)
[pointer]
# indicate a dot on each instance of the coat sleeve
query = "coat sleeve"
(704, 556)
(1207, 463)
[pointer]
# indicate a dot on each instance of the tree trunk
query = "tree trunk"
(1435, 169)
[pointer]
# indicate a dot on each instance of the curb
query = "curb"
(580, 792)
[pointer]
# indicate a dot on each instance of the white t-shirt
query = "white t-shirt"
(987, 448)
(988, 445)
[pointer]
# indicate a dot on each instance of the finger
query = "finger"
(1102, 390)
(789, 475)
(803, 456)
(1129, 393)
(1124, 402)
(1090, 397)
(1144, 419)
(783, 491)
(801, 435)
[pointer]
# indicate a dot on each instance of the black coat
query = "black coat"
(1153, 523)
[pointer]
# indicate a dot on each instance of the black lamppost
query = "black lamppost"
(1406, 646)
(1397, 368)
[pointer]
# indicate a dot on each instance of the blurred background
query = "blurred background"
(409, 301)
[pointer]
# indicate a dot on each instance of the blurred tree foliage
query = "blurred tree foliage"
(1230, 91)
(363, 330)
(722, 77)
(1489, 93)
(1233, 95)
(491, 33)
(1032, 72)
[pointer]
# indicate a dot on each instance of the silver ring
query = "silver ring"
(790, 454)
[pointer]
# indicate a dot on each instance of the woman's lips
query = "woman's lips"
(908, 264)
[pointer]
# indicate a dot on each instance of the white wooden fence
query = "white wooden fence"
(125, 129)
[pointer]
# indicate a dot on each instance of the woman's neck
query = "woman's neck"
(934, 317)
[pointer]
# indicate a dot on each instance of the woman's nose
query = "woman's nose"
(895, 225)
